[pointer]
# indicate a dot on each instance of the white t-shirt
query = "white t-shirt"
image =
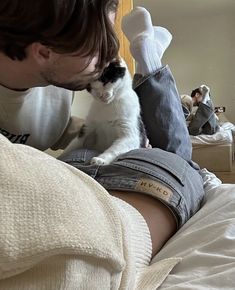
(39, 117)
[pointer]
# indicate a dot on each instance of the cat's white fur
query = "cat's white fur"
(112, 124)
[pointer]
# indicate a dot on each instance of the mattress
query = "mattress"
(205, 243)
(216, 158)
(215, 152)
(223, 136)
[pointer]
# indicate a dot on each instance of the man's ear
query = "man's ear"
(41, 53)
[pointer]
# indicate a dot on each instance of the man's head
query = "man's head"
(69, 41)
(196, 96)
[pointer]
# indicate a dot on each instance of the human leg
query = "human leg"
(162, 186)
(160, 102)
(147, 42)
(163, 115)
(203, 114)
(204, 121)
(159, 219)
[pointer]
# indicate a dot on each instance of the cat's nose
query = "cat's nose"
(107, 95)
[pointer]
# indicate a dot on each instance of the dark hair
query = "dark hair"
(196, 91)
(66, 26)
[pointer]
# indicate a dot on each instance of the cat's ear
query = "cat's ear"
(88, 88)
(120, 72)
(117, 70)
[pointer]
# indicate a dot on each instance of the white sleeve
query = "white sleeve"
(65, 272)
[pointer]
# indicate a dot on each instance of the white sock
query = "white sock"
(143, 49)
(136, 22)
(147, 43)
(205, 94)
(163, 39)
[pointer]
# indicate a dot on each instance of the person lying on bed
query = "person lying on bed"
(64, 229)
(204, 119)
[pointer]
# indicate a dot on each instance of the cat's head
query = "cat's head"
(105, 88)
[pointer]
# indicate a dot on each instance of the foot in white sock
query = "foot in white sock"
(136, 22)
(147, 44)
(162, 38)
(138, 28)
(205, 94)
(143, 49)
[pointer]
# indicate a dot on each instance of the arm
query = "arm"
(70, 132)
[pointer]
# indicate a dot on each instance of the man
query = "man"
(204, 120)
(48, 50)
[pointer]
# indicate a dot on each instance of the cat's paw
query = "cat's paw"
(98, 161)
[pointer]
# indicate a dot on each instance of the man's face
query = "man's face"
(197, 99)
(70, 71)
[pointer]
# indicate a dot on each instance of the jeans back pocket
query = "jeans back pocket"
(151, 159)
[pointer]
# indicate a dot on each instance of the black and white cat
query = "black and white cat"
(113, 125)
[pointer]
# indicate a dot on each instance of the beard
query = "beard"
(72, 86)
(78, 85)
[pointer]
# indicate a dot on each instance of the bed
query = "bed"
(215, 152)
(203, 249)
(205, 243)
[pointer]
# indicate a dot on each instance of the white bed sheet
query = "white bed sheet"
(223, 136)
(206, 243)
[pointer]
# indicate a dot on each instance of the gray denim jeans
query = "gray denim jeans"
(204, 121)
(165, 171)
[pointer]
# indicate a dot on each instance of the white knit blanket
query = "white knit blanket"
(47, 210)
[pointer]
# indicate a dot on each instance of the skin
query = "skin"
(197, 98)
(159, 218)
(44, 67)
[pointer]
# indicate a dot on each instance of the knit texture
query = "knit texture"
(61, 230)
(139, 235)
(47, 209)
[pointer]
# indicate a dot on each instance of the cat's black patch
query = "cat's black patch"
(88, 88)
(112, 73)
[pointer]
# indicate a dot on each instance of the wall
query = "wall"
(202, 49)
(203, 46)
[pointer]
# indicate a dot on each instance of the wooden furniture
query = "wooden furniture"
(125, 6)
(228, 176)
(215, 158)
